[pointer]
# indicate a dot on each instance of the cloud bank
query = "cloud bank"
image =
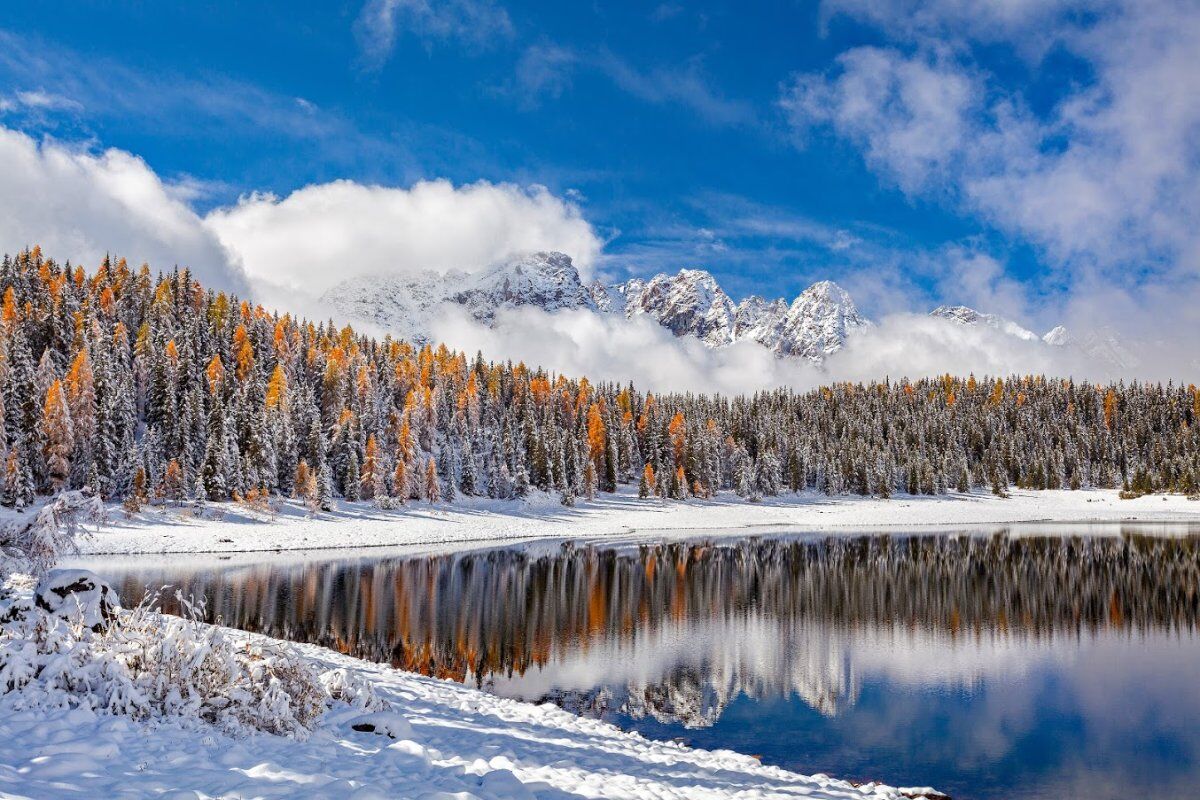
(80, 204)
(610, 347)
(287, 246)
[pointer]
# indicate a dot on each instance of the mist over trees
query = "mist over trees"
(152, 387)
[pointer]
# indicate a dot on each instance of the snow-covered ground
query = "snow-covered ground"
(234, 528)
(456, 742)
(452, 743)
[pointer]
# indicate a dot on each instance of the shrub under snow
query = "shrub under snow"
(71, 645)
(153, 666)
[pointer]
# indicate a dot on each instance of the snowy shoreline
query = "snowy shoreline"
(454, 741)
(232, 528)
(451, 741)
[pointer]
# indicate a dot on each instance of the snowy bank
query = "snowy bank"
(235, 528)
(449, 742)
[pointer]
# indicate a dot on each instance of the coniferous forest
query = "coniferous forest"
(147, 387)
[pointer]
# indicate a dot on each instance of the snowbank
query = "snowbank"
(234, 528)
(450, 742)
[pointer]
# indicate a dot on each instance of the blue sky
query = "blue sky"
(919, 153)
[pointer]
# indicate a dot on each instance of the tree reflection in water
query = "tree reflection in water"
(675, 630)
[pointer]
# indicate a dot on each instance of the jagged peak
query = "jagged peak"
(829, 289)
(1058, 336)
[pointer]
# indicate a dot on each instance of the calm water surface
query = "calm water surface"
(988, 666)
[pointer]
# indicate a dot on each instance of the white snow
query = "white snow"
(439, 740)
(233, 528)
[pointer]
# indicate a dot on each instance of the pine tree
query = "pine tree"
(352, 482)
(432, 490)
(58, 440)
(646, 485)
(214, 468)
(400, 488)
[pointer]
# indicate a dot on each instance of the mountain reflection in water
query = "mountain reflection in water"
(676, 631)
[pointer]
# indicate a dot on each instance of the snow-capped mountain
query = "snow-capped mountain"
(969, 316)
(1101, 344)
(688, 303)
(817, 324)
(406, 305)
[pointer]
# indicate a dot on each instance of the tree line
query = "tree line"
(143, 386)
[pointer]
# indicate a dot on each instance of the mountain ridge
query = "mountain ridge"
(817, 323)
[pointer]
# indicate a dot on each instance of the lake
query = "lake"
(988, 665)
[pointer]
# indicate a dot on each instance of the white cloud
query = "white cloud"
(81, 205)
(909, 115)
(544, 70)
(918, 346)
(323, 234)
(610, 347)
(473, 22)
(41, 100)
(1106, 183)
(1031, 25)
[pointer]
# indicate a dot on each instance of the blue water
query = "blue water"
(986, 667)
(1123, 721)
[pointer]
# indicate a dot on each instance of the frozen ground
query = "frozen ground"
(452, 743)
(234, 528)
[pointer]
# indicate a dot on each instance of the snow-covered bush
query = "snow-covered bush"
(341, 685)
(71, 645)
(33, 544)
(153, 666)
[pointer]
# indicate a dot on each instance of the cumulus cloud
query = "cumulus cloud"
(80, 205)
(324, 234)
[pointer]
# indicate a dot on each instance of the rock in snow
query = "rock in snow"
(78, 596)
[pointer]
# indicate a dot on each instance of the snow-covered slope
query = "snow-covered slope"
(442, 740)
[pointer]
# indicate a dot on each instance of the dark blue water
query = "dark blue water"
(987, 667)
(1119, 721)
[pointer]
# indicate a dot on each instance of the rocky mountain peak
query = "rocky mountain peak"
(969, 316)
